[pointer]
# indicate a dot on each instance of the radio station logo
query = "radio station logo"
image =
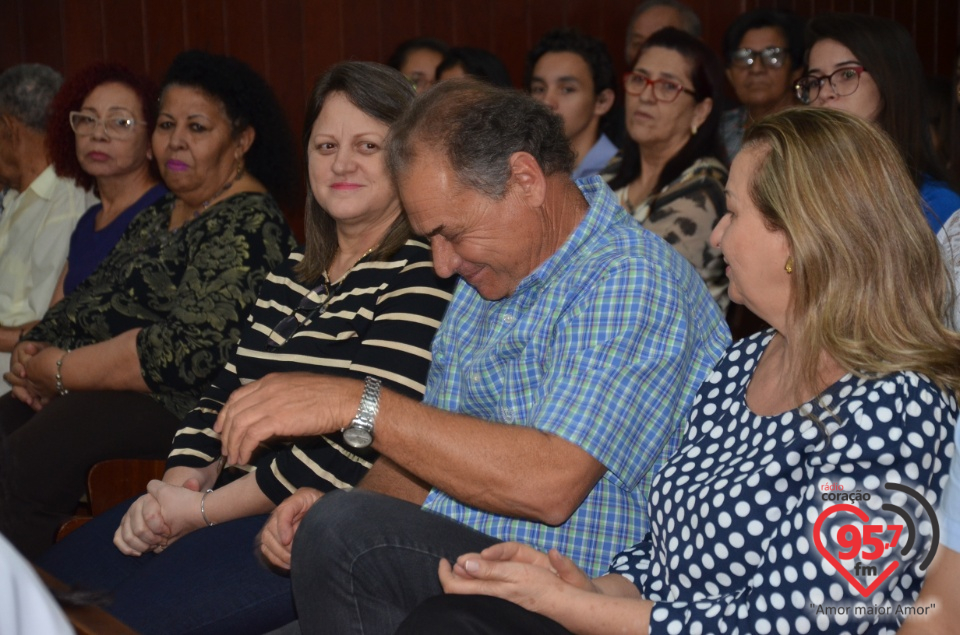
(864, 546)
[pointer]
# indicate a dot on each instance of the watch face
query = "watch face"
(357, 437)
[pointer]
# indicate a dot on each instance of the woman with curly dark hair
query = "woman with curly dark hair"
(99, 135)
(113, 367)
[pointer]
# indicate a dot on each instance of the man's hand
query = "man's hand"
(276, 537)
(284, 405)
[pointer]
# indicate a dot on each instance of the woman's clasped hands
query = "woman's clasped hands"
(25, 375)
(157, 519)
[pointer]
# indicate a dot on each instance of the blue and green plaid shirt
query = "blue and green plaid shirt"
(604, 345)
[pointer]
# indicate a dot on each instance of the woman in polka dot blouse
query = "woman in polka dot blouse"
(850, 399)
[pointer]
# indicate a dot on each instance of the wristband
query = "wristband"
(61, 390)
(203, 514)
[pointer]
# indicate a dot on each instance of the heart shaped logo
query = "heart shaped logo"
(832, 559)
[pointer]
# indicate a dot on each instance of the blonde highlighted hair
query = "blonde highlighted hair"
(870, 288)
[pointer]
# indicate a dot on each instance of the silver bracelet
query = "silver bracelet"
(203, 513)
(61, 390)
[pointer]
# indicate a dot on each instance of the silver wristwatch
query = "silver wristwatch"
(359, 434)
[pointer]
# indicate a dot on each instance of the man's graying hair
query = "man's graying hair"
(477, 127)
(26, 91)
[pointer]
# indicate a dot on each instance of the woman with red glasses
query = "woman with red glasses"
(671, 179)
(869, 67)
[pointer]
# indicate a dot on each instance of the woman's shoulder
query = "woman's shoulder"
(706, 175)
(247, 203)
(246, 213)
(740, 357)
(706, 168)
(943, 201)
(907, 392)
(412, 265)
(416, 249)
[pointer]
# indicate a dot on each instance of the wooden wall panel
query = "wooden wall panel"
(11, 37)
(84, 36)
(244, 31)
(41, 29)
(361, 29)
(204, 23)
(472, 23)
(291, 42)
(505, 43)
(434, 18)
(165, 35)
(123, 32)
(397, 21)
(322, 39)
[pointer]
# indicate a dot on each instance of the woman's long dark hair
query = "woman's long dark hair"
(888, 53)
(707, 76)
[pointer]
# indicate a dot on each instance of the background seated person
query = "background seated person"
(869, 66)
(467, 61)
(763, 50)
(361, 299)
(671, 179)
(40, 209)
(652, 15)
(570, 352)
(572, 74)
(418, 59)
(101, 123)
(112, 368)
(855, 385)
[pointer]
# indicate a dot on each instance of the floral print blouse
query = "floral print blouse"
(188, 290)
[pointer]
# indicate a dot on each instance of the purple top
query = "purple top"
(88, 246)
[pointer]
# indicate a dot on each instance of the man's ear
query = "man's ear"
(604, 102)
(527, 178)
(9, 127)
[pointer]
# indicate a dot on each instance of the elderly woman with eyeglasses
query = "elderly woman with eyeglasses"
(764, 54)
(113, 367)
(101, 123)
(671, 179)
(868, 66)
(360, 300)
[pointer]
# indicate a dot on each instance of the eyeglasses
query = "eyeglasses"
(288, 326)
(770, 57)
(665, 90)
(844, 81)
(420, 81)
(116, 126)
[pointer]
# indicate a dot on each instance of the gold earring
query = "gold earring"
(693, 129)
(789, 266)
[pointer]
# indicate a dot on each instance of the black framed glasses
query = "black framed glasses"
(665, 90)
(843, 81)
(305, 311)
(770, 57)
(118, 126)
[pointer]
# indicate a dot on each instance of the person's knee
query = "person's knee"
(443, 614)
(329, 525)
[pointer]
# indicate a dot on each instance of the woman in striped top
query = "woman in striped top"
(361, 298)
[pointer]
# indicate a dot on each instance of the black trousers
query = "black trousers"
(46, 455)
(476, 615)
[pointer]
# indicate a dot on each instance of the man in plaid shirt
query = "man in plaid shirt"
(566, 362)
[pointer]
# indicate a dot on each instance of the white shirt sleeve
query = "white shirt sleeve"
(26, 606)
